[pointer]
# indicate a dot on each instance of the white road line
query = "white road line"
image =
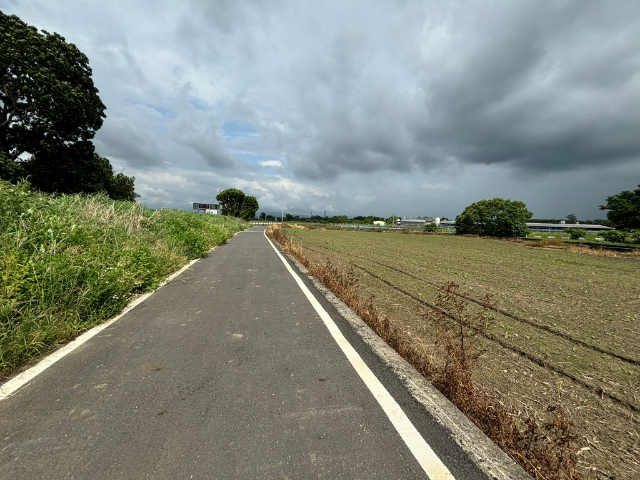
(426, 457)
(22, 379)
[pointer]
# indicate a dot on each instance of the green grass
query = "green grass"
(590, 237)
(70, 262)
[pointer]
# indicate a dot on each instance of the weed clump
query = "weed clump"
(69, 262)
(543, 447)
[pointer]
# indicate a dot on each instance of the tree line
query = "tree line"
(505, 218)
(49, 113)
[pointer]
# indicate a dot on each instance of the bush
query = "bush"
(68, 262)
(614, 236)
(430, 227)
(575, 233)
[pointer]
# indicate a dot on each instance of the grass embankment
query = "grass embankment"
(564, 327)
(68, 263)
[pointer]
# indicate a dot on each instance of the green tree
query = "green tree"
(231, 200)
(121, 188)
(76, 168)
(11, 170)
(624, 209)
(572, 218)
(263, 215)
(50, 108)
(495, 218)
(249, 207)
(47, 96)
(430, 227)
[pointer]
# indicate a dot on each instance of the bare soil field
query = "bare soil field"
(565, 327)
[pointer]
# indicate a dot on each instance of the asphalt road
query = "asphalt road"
(226, 372)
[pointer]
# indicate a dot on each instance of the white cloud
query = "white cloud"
(271, 163)
(437, 186)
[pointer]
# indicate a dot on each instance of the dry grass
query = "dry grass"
(601, 252)
(543, 447)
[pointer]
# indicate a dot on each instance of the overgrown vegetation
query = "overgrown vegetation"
(543, 447)
(70, 262)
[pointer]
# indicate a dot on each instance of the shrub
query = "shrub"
(430, 227)
(575, 233)
(614, 236)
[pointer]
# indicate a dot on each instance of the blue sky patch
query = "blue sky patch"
(234, 131)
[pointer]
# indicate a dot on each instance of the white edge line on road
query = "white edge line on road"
(426, 457)
(23, 378)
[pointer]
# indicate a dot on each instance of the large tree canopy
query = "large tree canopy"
(50, 108)
(231, 200)
(495, 218)
(47, 96)
(249, 207)
(77, 168)
(624, 209)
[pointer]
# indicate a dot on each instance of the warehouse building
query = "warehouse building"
(547, 227)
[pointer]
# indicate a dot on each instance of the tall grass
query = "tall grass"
(69, 262)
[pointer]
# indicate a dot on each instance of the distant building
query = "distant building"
(558, 227)
(212, 208)
(548, 227)
(410, 222)
(378, 223)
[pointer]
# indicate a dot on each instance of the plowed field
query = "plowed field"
(566, 327)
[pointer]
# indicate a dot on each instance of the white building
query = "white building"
(212, 208)
(410, 222)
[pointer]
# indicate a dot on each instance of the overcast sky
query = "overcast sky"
(364, 107)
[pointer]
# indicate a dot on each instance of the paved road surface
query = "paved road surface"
(227, 372)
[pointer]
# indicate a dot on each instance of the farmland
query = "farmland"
(565, 326)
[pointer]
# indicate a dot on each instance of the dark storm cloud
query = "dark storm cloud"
(552, 88)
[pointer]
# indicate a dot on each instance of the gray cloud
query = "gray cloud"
(365, 100)
(121, 138)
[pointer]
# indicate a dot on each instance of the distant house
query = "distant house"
(212, 208)
(378, 223)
